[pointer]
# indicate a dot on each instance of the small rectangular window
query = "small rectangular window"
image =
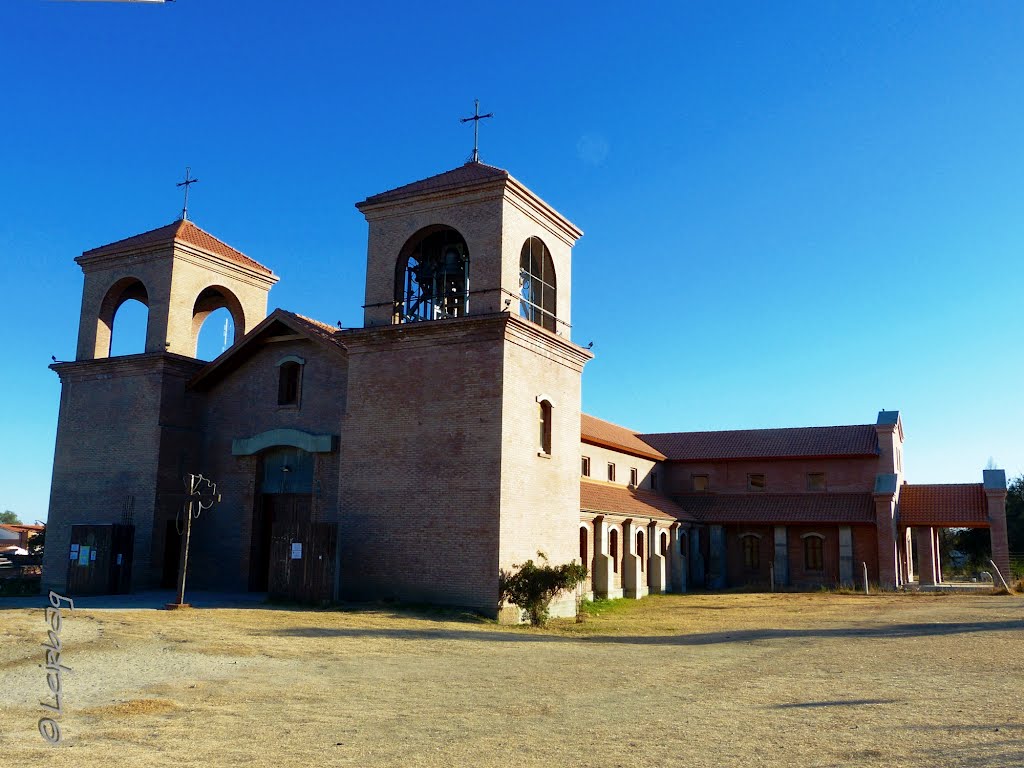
(634, 477)
(611, 472)
(585, 468)
(814, 559)
(755, 482)
(654, 479)
(288, 379)
(700, 482)
(815, 481)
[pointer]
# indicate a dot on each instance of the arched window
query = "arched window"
(640, 548)
(814, 552)
(613, 548)
(133, 323)
(220, 305)
(664, 543)
(537, 285)
(751, 552)
(432, 276)
(544, 426)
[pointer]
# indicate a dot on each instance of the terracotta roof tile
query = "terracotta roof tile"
(183, 231)
(470, 173)
(617, 499)
(802, 442)
(947, 506)
(604, 433)
(780, 507)
(322, 330)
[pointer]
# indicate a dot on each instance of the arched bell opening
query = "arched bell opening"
(127, 289)
(432, 276)
(207, 305)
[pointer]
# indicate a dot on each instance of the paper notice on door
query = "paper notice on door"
(83, 555)
(296, 550)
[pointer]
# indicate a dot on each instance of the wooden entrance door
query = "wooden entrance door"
(301, 552)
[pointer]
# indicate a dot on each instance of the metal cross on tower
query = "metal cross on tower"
(188, 182)
(476, 118)
(202, 494)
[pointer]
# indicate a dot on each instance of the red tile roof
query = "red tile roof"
(800, 442)
(619, 500)
(783, 508)
(321, 330)
(604, 433)
(948, 506)
(470, 173)
(183, 231)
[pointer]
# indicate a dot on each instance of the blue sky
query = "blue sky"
(795, 213)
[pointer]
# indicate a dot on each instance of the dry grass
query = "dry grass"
(690, 680)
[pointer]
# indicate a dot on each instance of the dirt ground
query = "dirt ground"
(683, 680)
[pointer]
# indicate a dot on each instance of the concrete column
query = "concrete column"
(926, 556)
(716, 571)
(937, 551)
(604, 576)
(886, 488)
(908, 545)
(845, 556)
(634, 582)
(657, 583)
(781, 556)
(677, 560)
(995, 496)
(696, 558)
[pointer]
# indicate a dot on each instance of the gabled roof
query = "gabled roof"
(235, 355)
(464, 175)
(617, 500)
(946, 506)
(182, 231)
(599, 432)
(789, 508)
(800, 442)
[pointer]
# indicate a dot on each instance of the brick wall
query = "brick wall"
(117, 427)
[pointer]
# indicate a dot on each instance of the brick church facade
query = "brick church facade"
(418, 456)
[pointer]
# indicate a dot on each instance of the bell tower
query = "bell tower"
(460, 449)
(182, 274)
(471, 241)
(128, 424)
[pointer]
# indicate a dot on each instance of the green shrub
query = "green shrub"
(532, 587)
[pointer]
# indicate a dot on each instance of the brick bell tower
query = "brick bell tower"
(460, 447)
(126, 432)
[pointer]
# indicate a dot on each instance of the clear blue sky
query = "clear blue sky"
(795, 213)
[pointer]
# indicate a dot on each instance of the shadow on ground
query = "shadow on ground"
(705, 638)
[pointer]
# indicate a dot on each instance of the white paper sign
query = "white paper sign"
(296, 550)
(74, 551)
(92, 554)
(83, 556)
(119, 559)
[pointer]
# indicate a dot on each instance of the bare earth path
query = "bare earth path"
(688, 680)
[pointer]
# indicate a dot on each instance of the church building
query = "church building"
(419, 456)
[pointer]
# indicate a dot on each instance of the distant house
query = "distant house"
(18, 535)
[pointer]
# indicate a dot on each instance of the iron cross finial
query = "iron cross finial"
(188, 182)
(476, 118)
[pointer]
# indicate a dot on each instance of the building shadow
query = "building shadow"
(513, 635)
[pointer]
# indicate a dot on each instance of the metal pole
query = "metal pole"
(183, 566)
(867, 591)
